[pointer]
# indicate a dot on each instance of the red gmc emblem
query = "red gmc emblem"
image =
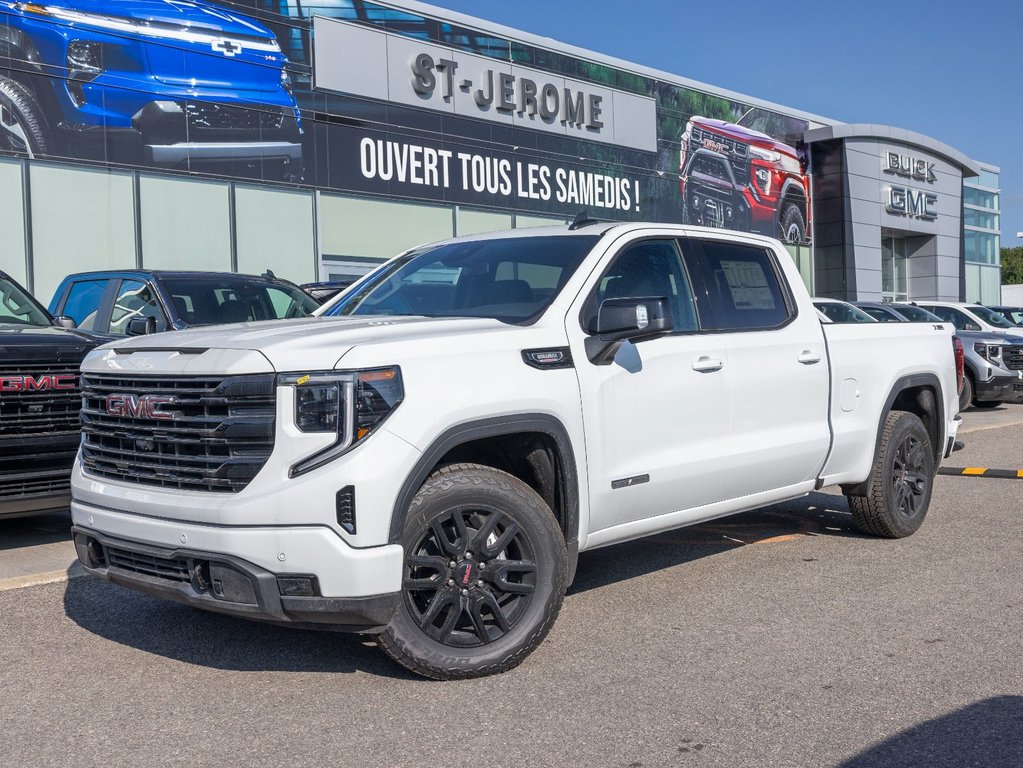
(37, 383)
(139, 406)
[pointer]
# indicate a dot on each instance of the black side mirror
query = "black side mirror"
(971, 327)
(64, 321)
(633, 319)
(141, 326)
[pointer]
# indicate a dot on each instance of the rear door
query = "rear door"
(778, 388)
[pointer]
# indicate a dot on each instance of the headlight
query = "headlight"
(990, 352)
(765, 154)
(347, 404)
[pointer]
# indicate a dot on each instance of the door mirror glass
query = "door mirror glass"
(971, 327)
(64, 321)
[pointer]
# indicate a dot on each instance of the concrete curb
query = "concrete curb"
(39, 579)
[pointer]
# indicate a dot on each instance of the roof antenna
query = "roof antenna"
(582, 219)
(269, 273)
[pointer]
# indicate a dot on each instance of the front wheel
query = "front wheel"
(792, 224)
(484, 575)
(22, 125)
(901, 480)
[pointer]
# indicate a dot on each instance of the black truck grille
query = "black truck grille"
(205, 433)
(221, 117)
(148, 565)
(737, 152)
(18, 483)
(1013, 357)
(31, 403)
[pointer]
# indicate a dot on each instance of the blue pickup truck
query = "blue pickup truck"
(171, 83)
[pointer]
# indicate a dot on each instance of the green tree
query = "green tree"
(1012, 266)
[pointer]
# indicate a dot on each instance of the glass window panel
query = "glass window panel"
(185, 224)
(477, 222)
(972, 283)
(12, 221)
(274, 230)
(82, 219)
(134, 299)
(975, 218)
(356, 227)
(990, 285)
(988, 179)
(83, 302)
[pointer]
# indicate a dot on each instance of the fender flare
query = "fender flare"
(790, 189)
(498, 427)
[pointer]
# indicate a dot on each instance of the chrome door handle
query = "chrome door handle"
(707, 365)
(809, 358)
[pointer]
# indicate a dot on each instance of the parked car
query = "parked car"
(324, 292)
(427, 461)
(987, 382)
(971, 317)
(39, 403)
(136, 302)
(174, 84)
(841, 311)
(1013, 314)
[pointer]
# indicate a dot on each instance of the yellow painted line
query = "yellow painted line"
(974, 471)
(39, 579)
(1019, 473)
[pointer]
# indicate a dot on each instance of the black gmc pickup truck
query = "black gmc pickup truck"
(39, 403)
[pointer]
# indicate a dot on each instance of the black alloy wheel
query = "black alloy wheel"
(484, 575)
(909, 476)
(470, 577)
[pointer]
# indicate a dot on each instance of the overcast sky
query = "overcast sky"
(952, 71)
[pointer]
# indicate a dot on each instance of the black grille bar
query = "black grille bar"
(1013, 357)
(148, 565)
(220, 434)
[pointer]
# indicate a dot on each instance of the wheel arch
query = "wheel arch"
(521, 445)
(920, 394)
(22, 63)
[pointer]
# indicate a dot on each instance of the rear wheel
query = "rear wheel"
(484, 575)
(900, 484)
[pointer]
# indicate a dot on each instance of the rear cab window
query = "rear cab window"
(742, 289)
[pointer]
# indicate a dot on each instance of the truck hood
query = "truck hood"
(53, 343)
(196, 16)
(315, 343)
(732, 130)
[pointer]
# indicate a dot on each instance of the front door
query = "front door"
(656, 417)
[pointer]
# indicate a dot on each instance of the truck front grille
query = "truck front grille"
(1013, 357)
(193, 433)
(737, 152)
(18, 484)
(263, 120)
(36, 407)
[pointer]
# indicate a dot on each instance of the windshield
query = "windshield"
(880, 315)
(991, 317)
(227, 299)
(839, 312)
(916, 314)
(1014, 315)
(512, 279)
(18, 308)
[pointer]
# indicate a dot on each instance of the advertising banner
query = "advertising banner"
(356, 97)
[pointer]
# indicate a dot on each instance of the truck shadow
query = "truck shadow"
(818, 514)
(19, 532)
(988, 733)
(212, 640)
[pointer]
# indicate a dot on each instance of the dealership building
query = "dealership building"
(318, 138)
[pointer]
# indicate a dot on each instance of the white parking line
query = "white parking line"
(38, 579)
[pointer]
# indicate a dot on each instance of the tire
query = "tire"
(792, 223)
(23, 128)
(987, 403)
(901, 480)
(967, 394)
(490, 610)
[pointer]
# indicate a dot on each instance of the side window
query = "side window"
(134, 299)
(644, 269)
(287, 305)
(83, 300)
(954, 316)
(743, 290)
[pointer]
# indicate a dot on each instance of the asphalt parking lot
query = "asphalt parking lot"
(776, 638)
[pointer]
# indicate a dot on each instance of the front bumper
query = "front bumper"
(37, 504)
(1000, 388)
(353, 589)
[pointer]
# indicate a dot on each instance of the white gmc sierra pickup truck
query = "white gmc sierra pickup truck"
(426, 461)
